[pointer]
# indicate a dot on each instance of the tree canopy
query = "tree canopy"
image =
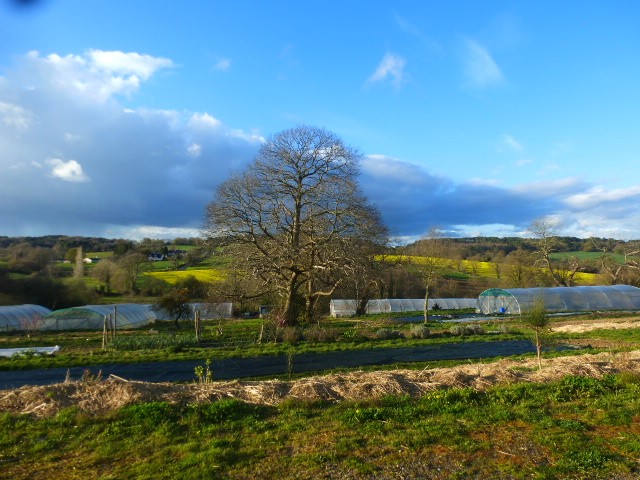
(296, 217)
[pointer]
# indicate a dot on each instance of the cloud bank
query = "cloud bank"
(75, 160)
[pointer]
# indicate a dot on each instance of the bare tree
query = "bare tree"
(293, 214)
(431, 263)
(615, 268)
(546, 231)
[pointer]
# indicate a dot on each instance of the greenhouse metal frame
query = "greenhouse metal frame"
(516, 301)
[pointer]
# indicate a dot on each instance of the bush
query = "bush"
(388, 334)
(419, 331)
(291, 335)
(462, 330)
(317, 334)
(352, 335)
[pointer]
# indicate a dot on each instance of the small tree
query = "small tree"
(176, 304)
(431, 264)
(536, 319)
(105, 271)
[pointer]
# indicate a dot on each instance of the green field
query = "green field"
(574, 428)
(588, 256)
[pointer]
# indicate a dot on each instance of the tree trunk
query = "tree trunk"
(539, 349)
(426, 305)
(289, 311)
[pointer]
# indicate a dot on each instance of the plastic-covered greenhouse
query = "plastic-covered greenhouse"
(346, 308)
(560, 299)
(22, 317)
(92, 317)
(207, 311)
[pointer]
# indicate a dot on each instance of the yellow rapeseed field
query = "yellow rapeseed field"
(203, 275)
(480, 269)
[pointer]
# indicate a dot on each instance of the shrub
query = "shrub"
(462, 330)
(419, 331)
(351, 335)
(317, 334)
(387, 334)
(291, 335)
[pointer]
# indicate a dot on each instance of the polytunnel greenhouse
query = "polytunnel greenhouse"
(207, 311)
(22, 317)
(515, 301)
(346, 308)
(92, 317)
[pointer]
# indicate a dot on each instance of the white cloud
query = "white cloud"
(223, 64)
(15, 116)
(204, 121)
(95, 75)
(126, 64)
(383, 167)
(511, 143)
(523, 161)
(598, 196)
(194, 150)
(559, 187)
(70, 171)
(390, 68)
(480, 68)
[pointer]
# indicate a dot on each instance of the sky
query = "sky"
(119, 118)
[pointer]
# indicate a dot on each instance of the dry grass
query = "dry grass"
(95, 396)
(606, 325)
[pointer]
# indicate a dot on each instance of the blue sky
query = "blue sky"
(119, 118)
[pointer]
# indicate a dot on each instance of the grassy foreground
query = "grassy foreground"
(575, 428)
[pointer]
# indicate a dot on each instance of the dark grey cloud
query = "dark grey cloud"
(412, 200)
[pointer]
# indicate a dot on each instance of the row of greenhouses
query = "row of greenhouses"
(512, 301)
(96, 317)
(492, 301)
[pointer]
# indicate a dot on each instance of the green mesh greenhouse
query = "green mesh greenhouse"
(22, 317)
(92, 317)
(515, 301)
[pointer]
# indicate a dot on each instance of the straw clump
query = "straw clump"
(95, 396)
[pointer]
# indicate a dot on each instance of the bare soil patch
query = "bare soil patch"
(101, 396)
(606, 325)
